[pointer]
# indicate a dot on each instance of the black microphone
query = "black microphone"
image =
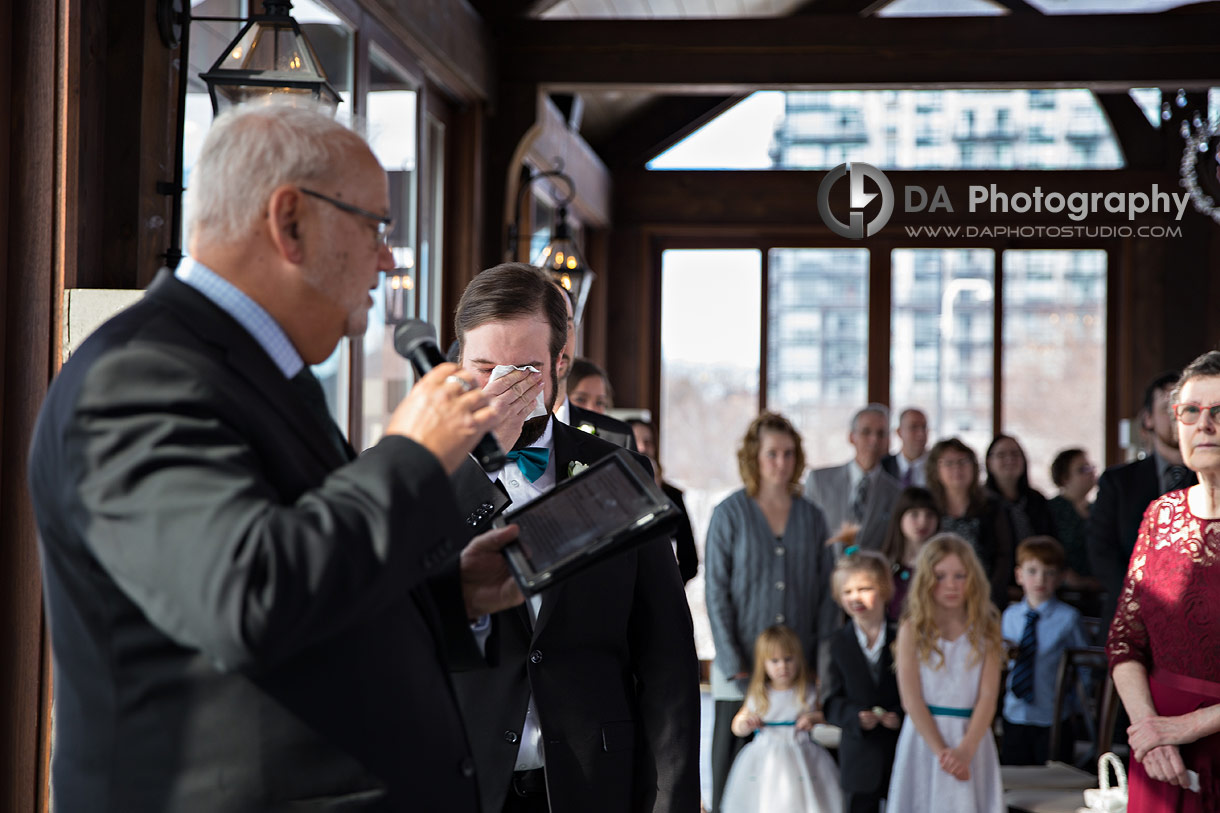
(415, 340)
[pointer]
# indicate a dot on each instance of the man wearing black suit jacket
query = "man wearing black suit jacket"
(586, 699)
(907, 466)
(586, 420)
(244, 617)
(1125, 491)
(684, 537)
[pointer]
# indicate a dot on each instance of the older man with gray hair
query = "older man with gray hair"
(243, 614)
(857, 498)
(858, 494)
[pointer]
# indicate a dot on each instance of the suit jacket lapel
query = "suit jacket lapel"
(480, 499)
(245, 356)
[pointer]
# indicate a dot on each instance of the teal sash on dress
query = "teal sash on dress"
(946, 711)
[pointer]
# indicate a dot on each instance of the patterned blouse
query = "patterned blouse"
(1167, 613)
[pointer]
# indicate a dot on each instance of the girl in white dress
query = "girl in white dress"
(782, 770)
(948, 661)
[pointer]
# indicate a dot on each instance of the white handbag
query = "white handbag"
(1105, 798)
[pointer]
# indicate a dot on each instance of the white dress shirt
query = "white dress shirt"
(918, 476)
(521, 491)
(563, 414)
(871, 651)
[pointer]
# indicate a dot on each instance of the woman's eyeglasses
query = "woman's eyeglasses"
(1189, 414)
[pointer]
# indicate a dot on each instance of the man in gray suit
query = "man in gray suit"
(856, 498)
(858, 493)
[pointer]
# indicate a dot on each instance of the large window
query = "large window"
(941, 339)
(817, 344)
(1054, 355)
(391, 105)
(1061, 128)
(383, 89)
(710, 323)
(333, 40)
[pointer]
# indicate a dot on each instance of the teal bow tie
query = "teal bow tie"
(531, 460)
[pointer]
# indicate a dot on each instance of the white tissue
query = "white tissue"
(502, 370)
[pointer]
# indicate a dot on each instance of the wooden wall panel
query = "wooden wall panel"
(28, 284)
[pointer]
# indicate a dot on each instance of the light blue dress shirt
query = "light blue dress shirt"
(1058, 628)
(248, 313)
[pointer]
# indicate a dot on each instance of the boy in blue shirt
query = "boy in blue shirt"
(1039, 628)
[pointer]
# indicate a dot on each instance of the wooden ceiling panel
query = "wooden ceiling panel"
(738, 55)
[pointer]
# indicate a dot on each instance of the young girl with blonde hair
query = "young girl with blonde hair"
(782, 768)
(948, 658)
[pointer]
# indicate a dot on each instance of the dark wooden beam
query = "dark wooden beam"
(861, 8)
(658, 126)
(451, 41)
(1020, 7)
(30, 103)
(493, 10)
(1137, 138)
(740, 55)
(787, 199)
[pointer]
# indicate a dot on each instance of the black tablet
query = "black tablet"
(604, 509)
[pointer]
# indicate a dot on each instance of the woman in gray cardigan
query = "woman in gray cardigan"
(763, 566)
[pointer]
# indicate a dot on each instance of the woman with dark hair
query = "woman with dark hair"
(1008, 479)
(969, 511)
(1075, 476)
(1165, 640)
(914, 519)
(763, 565)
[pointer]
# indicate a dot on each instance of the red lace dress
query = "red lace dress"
(1168, 619)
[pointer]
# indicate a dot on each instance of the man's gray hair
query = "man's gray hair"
(252, 150)
(880, 409)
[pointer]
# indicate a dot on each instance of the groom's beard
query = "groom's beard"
(532, 429)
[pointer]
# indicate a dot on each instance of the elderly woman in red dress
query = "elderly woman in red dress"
(1164, 644)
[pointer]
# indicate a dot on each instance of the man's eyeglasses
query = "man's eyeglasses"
(1189, 414)
(384, 224)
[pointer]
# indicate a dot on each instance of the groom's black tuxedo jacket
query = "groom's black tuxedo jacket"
(611, 663)
(239, 616)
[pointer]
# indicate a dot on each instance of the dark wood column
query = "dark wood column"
(28, 222)
(515, 112)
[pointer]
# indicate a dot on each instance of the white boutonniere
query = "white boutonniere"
(588, 427)
(576, 467)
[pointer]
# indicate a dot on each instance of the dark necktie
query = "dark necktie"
(1027, 655)
(531, 460)
(908, 476)
(1178, 477)
(310, 390)
(859, 499)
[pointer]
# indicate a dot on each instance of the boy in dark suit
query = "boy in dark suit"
(861, 689)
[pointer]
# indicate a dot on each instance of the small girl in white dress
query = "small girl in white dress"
(782, 770)
(948, 660)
